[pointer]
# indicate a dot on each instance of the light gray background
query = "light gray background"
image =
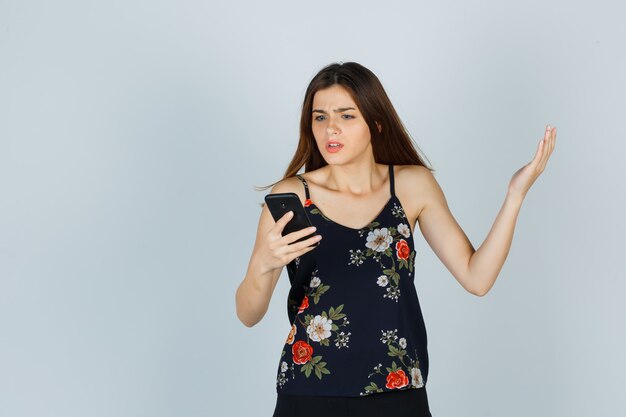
(131, 136)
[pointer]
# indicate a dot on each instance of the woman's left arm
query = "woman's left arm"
(485, 264)
(477, 270)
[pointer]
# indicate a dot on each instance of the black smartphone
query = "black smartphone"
(280, 203)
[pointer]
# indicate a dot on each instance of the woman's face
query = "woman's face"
(336, 119)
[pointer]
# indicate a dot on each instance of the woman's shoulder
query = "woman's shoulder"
(412, 173)
(414, 187)
(290, 185)
(294, 184)
(412, 178)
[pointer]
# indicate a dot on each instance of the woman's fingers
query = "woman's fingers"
(279, 250)
(282, 222)
(293, 250)
(307, 242)
(284, 245)
(307, 245)
(548, 146)
(544, 148)
(293, 236)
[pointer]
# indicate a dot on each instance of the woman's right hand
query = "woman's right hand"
(277, 250)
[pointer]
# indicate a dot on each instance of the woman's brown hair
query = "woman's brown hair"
(393, 145)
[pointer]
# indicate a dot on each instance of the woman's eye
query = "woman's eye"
(348, 116)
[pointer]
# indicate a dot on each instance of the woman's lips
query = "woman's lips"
(333, 149)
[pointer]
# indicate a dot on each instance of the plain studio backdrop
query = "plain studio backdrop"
(132, 134)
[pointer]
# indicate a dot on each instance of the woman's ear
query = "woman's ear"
(380, 128)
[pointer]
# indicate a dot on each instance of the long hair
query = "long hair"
(393, 145)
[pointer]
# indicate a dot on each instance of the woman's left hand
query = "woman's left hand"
(524, 178)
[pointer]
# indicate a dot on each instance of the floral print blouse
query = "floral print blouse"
(356, 326)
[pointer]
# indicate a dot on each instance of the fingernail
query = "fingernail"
(313, 228)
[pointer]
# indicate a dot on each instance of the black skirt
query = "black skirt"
(403, 403)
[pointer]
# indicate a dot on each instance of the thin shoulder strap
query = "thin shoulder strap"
(391, 181)
(306, 186)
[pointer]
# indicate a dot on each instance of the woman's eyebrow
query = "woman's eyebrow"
(339, 110)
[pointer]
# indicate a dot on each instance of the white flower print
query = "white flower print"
(315, 282)
(342, 339)
(389, 335)
(393, 293)
(382, 280)
(416, 378)
(398, 211)
(404, 230)
(402, 342)
(281, 379)
(379, 239)
(319, 328)
(356, 257)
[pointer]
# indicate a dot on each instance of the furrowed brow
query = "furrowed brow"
(339, 110)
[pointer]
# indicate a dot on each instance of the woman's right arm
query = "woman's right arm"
(271, 253)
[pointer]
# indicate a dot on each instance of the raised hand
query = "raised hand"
(525, 177)
(277, 251)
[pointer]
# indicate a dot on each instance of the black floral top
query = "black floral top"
(356, 323)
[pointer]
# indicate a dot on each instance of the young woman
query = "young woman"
(357, 343)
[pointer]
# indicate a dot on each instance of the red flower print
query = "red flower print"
(307, 202)
(397, 379)
(302, 352)
(304, 305)
(402, 249)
